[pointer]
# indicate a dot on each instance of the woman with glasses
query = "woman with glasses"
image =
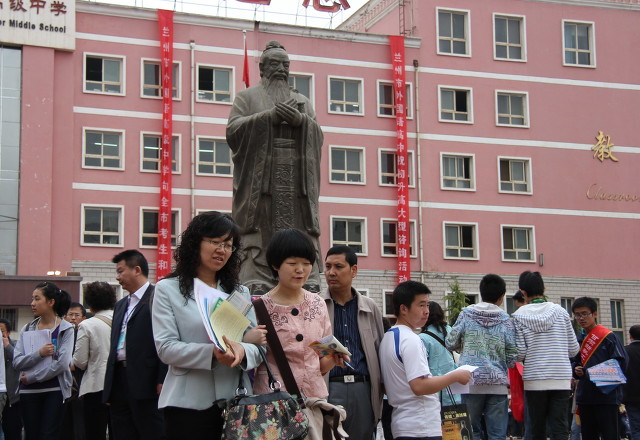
(200, 374)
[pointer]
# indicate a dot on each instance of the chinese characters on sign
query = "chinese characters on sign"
(47, 23)
(334, 6)
(603, 149)
(165, 22)
(402, 176)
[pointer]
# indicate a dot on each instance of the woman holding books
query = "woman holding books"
(45, 377)
(299, 316)
(199, 373)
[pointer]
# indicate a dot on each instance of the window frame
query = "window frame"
(467, 28)
(120, 208)
(472, 170)
(592, 44)
(232, 75)
(528, 174)
(103, 56)
(410, 167)
(177, 79)
(618, 329)
(408, 92)
(363, 166)
(348, 218)
(387, 293)
(177, 226)
(197, 164)
(469, 92)
(412, 238)
(122, 148)
(532, 240)
(360, 95)
(178, 151)
(312, 89)
(523, 37)
(525, 95)
(475, 235)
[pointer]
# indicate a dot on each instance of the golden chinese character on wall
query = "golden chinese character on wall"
(603, 149)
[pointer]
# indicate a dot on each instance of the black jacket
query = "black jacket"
(632, 387)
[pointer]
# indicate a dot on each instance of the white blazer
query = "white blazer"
(92, 351)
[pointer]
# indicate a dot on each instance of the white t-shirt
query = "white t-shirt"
(403, 358)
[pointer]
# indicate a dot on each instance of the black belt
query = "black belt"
(121, 364)
(349, 378)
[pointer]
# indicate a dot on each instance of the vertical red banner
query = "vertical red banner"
(402, 174)
(163, 264)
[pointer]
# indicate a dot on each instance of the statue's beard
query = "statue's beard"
(277, 89)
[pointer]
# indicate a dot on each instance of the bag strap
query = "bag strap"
(278, 352)
(437, 338)
(272, 380)
(103, 319)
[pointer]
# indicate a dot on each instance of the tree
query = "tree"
(456, 300)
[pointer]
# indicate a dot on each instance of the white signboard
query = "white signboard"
(47, 23)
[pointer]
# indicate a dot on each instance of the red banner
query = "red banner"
(163, 265)
(402, 169)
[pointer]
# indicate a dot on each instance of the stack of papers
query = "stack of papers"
(328, 346)
(221, 313)
(607, 375)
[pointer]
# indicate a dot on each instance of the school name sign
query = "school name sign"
(46, 23)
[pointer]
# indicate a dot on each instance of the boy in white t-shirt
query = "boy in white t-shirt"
(409, 385)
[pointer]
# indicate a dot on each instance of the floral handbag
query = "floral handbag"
(272, 416)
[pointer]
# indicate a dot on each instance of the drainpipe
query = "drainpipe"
(192, 136)
(419, 170)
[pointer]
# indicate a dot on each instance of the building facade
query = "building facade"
(523, 141)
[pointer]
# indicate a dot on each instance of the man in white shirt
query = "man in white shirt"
(409, 384)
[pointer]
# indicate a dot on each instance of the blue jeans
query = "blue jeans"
(495, 408)
(633, 412)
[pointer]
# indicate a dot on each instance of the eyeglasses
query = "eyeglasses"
(219, 245)
(74, 315)
(582, 315)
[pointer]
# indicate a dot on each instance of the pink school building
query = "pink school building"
(523, 138)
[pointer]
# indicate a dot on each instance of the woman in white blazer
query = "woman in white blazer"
(200, 374)
(91, 354)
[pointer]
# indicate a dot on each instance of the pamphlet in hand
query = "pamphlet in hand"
(328, 346)
(607, 375)
(457, 387)
(219, 315)
(32, 341)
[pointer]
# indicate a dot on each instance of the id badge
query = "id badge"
(121, 341)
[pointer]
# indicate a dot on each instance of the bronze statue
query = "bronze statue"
(276, 144)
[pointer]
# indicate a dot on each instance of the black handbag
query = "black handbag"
(275, 415)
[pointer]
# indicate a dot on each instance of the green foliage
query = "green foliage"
(456, 300)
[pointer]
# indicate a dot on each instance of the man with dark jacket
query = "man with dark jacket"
(632, 387)
(135, 374)
(598, 410)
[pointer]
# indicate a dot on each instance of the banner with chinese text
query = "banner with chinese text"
(402, 176)
(163, 265)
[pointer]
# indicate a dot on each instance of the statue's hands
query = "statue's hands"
(288, 112)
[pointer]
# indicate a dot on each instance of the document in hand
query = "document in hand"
(32, 341)
(328, 346)
(218, 315)
(607, 375)
(458, 388)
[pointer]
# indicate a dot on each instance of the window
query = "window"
(101, 225)
(388, 168)
(11, 315)
(151, 80)
(460, 241)
(388, 303)
(103, 74)
(345, 96)
(350, 232)
(214, 157)
(386, 100)
(578, 44)
(515, 175)
(455, 105)
(149, 227)
(347, 165)
(457, 172)
(214, 84)
(512, 109)
(566, 304)
(390, 238)
(301, 83)
(509, 38)
(453, 32)
(617, 322)
(517, 243)
(151, 153)
(103, 149)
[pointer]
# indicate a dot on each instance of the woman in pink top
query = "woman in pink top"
(299, 316)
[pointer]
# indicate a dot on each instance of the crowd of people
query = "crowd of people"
(144, 367)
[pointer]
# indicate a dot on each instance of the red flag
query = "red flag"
(245, 68)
